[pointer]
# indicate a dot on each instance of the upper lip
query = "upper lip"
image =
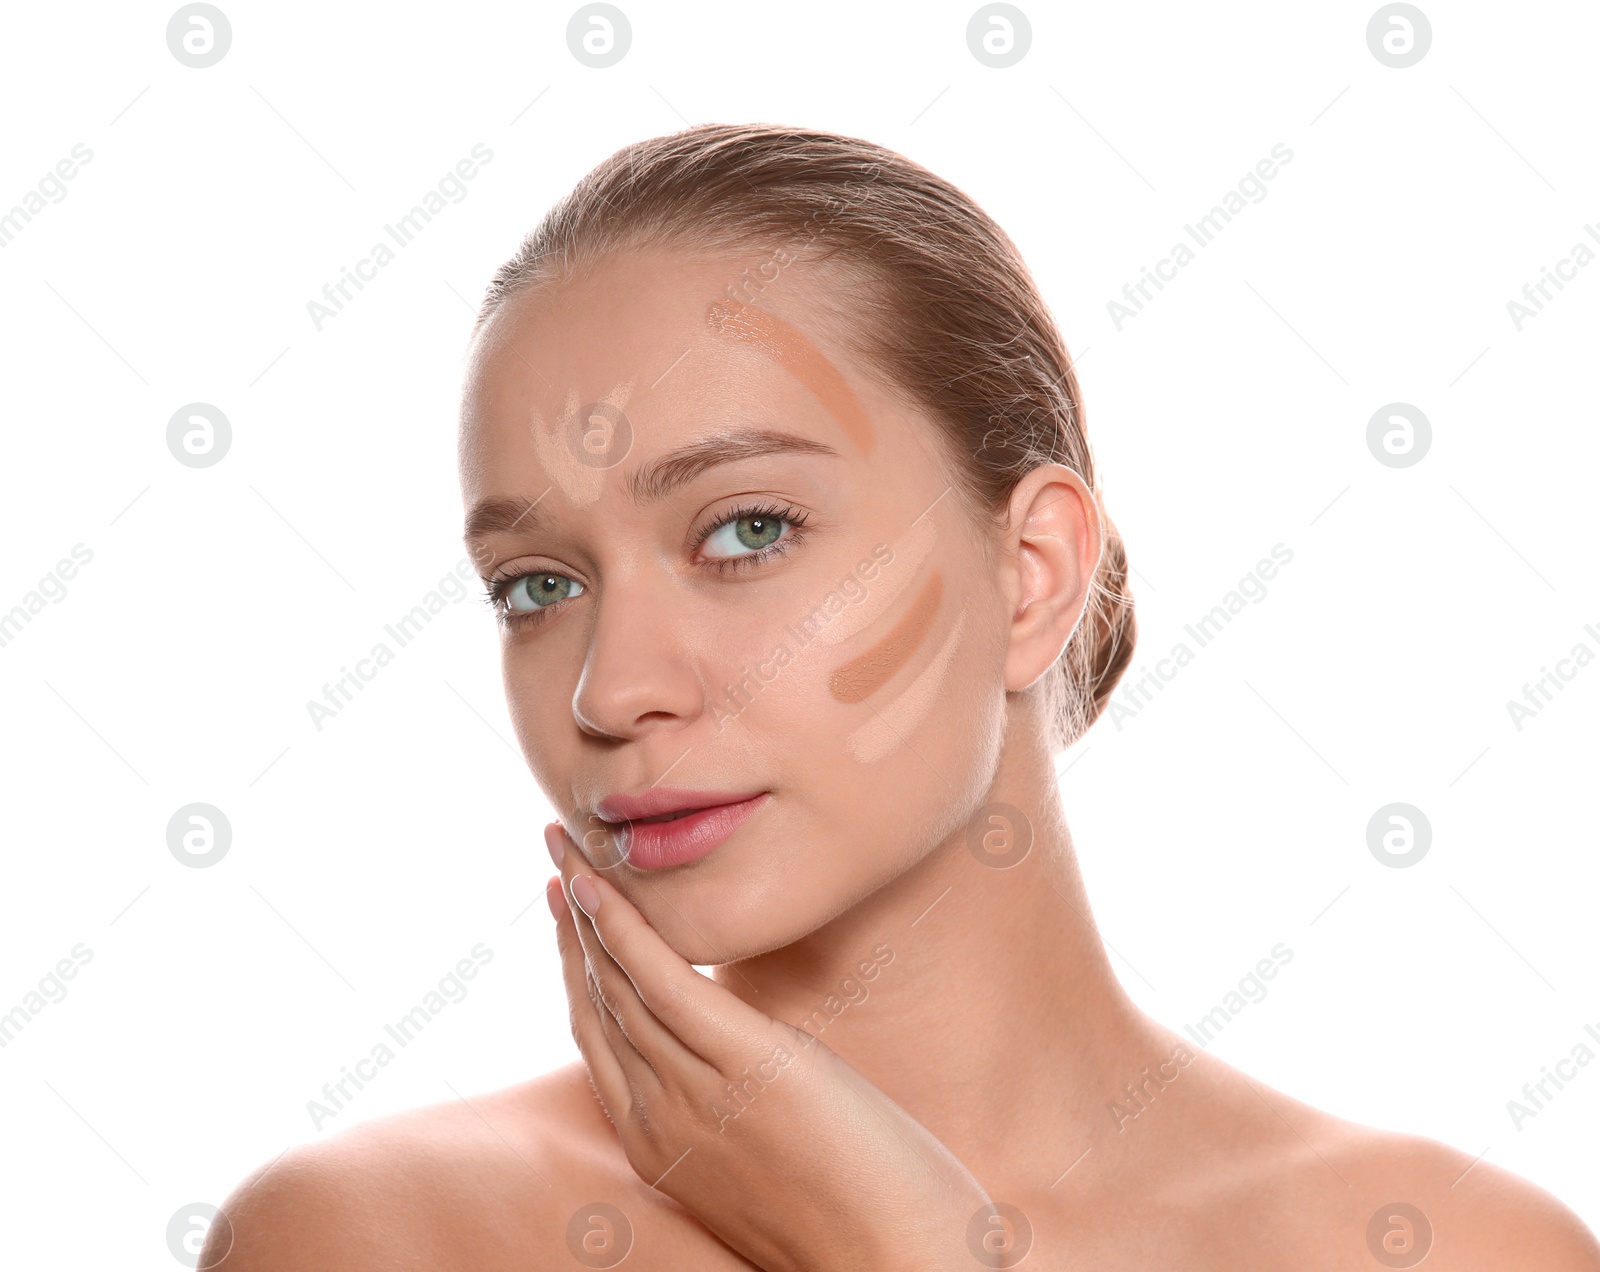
(659, 800)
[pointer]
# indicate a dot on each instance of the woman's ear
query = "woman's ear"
(1050, 553)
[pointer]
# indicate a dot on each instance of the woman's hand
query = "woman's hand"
(760, 1130)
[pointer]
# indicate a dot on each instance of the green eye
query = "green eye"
(745, 538)
(751, 532)
(539, 591)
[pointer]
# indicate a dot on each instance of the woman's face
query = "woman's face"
(738, 566)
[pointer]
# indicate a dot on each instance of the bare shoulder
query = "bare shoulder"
(1471, 1214)
(1364, 1197)
(1336, 1194)
(488, 1181)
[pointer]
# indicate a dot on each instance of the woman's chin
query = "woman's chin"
(710, 934)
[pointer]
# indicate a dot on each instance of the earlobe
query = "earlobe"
(1056, 540)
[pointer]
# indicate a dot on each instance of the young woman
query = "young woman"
(775, 469)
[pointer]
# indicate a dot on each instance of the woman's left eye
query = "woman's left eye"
(752, 534)
(747, 533)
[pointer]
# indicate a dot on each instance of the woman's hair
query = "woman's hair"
(932, 296)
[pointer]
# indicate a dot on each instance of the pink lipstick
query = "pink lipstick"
(665, 826)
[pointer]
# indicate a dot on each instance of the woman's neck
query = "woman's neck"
(976, 995)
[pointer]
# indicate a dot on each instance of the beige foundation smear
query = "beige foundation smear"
(888, 729)
(866, 673)
(582, 483)
(551, 438)
(886, 587)
(797, 355)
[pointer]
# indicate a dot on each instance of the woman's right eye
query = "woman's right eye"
(530, 593)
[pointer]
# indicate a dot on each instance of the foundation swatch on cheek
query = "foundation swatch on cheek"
(886, 587)
(866, 673)
(798, 356)
(889, 727)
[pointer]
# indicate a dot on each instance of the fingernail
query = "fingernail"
(555, 898)
(553, 835)
(586, 894)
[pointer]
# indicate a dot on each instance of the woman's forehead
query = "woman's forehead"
(666, 346)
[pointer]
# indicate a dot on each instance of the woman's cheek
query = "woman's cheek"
(819, 622)
(538, 705)
(748, 673)
(930, 739)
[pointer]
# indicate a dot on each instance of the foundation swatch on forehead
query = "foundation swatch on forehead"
(866, 673)
(556, 442)
(889, 727)
(886, 587)
(797, 355)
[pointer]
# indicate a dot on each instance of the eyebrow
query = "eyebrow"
(655, 479)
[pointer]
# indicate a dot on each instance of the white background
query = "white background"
(1231, 415)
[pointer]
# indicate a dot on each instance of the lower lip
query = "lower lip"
(657, 845)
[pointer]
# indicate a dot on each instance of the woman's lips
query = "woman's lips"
(655, 845)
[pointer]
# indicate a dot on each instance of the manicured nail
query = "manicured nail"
(555, 898)
(586, 894)
(553, 836)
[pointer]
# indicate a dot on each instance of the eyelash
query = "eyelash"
(499, 585)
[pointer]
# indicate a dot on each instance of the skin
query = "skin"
(997, 1030)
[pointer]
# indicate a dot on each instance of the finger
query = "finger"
(711, 1022)
(640, 1069)
(662, 1048)
(636, 1036)
(610, 1078)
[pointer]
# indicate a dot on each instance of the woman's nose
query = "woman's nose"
(642, 670)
